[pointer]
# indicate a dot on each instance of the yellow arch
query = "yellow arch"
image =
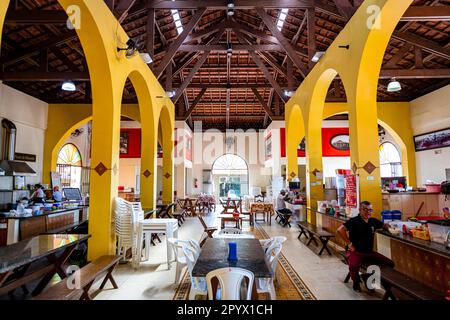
(359, 66)
(100, 35)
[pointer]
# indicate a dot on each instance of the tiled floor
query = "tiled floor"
(323, 275)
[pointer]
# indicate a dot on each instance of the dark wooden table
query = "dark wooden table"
(214, 255)
(311, 231)
(17, 260)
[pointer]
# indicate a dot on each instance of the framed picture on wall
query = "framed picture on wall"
(124, 141)
(432, 140)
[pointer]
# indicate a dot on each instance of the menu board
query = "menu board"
(73, 194)
(351, 191)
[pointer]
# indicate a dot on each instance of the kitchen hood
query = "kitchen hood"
(16, 168)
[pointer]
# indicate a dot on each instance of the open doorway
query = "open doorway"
(230, 175)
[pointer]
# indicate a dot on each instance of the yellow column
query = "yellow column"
(148, 165)
(3, 8)
(314, 171)
(364, 152)
(295, 131)
(167, 130)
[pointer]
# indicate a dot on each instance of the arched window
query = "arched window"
(232, 173)
(69, 166)
(390, 161)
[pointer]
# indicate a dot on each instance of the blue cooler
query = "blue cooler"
(386, 216)
(396, 215)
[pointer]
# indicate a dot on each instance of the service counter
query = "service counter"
(14, 229)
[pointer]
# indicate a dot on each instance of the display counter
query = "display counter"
(425, 261)
(14, 229)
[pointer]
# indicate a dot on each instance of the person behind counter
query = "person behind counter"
(57, 195)
(38, 195)
(359, 241)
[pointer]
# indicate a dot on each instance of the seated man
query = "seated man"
(359, 247)
(281, 204)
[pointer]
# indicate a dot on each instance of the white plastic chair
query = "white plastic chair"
(230, 231)
(125, 227)
(181, 260)
(198, 285)
(266, 243)
(230, 282)
(266, 285)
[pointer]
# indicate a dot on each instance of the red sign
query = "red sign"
(130, 143)
(335, 143)
(351, 192)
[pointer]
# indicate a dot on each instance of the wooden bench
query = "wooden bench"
(93, 271)
(391, 278)
(312, 232)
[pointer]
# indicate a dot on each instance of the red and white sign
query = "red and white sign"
(351, 191)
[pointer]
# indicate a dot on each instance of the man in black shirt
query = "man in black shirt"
(361, 230)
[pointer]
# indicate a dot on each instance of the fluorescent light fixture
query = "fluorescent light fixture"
(281, 18)
(171, 93)
(68, 86)
(317, 56)
(394, 86)
(146, 57)
(288, 93)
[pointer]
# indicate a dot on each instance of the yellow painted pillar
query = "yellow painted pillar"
(98, 32)
(364, 152)
(148, 166)
(4, 4)
(295, 131)
(167, 130)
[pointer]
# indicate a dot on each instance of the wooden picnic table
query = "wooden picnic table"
(22, 262)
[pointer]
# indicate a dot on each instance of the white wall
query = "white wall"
(430, 113)
(30, 117)
(208, 146)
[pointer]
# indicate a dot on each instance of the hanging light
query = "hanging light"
(288, 93)
(394, 86)
(317, 56)
(171, 93)
(230, 4)
(68, 86)
(146, 57)
(229, 49)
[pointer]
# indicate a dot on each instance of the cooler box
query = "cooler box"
(396, 215)
(386, 216)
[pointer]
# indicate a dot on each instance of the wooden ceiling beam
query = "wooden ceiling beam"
(283, 41)
(261, 65)
(178, 42)
(345, 8)
(222, 4)
(196, 67)
(39, 17)
(235, 47)
(44, 76)
(122, 8)
(425, 44)
(263, 103)
(194, 104)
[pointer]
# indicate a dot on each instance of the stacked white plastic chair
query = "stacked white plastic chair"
(127, 216)
(123, 227)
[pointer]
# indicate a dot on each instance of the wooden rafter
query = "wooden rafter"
(194, 104)
(282, 40)
(178, 42)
